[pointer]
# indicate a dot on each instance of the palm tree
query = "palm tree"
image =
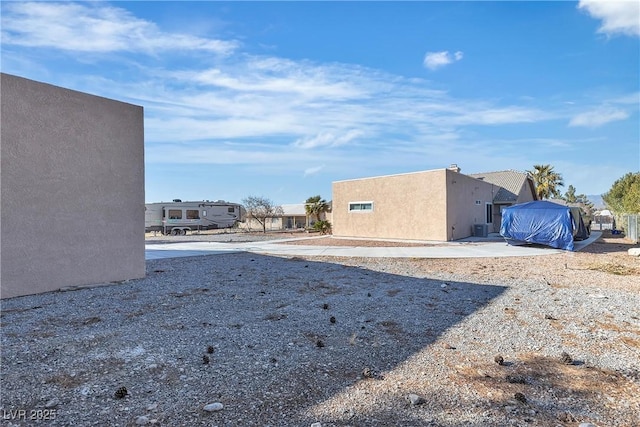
(315, 206)
(546, 181)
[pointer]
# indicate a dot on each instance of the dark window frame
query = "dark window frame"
(360, 207)
(175, 213)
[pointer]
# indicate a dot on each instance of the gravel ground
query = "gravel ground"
(336, 341)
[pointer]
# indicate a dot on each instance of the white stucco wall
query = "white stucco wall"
(72, 188)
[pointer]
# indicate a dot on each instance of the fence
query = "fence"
(631, 225)
(600, 223)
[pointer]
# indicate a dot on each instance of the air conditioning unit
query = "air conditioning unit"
(480, 230)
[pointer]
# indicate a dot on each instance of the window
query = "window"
(204, 213)
(230, 209)
(193, 214)
(360, 206)
(175, 213)
(489, 213)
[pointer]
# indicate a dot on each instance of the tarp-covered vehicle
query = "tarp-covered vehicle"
(545, 223)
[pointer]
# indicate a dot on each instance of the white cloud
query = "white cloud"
(313, 171)
(203, 153)
(435, 60)
(328, 139)
(181, 108)
(618, 17)
(274, 75)
(489, 115)
(631, 99)
(598, 117)
(167, 127)
(94, 28)
(303, 112)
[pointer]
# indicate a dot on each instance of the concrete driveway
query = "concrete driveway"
(466, 248)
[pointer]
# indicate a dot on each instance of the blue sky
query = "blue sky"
(279, 99)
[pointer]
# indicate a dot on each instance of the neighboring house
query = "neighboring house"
(439, 205)
(72, 188)
(603, 220)
(294, 217)
(511, 188)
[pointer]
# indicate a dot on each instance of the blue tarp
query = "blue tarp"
(541, 222)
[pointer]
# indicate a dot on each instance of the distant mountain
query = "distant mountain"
(597, 201)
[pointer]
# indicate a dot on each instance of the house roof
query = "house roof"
(560, 201)
(509, 181)
(296, 209)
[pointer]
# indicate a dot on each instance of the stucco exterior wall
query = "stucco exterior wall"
(272, 224)
(72, 187)
(407, 206)
(526, 194)
(467, 200)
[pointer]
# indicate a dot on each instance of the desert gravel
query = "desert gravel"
(253, 340)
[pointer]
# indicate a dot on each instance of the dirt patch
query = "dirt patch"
(532, 380)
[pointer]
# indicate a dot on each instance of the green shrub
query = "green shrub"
(323, 227)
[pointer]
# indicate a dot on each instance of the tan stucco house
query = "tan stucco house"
(513, 188)
(437, 205)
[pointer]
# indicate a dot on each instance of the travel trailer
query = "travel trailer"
(178, 217)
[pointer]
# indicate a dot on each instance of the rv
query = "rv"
(178, 217)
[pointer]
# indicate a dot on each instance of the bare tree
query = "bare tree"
(261, 209)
